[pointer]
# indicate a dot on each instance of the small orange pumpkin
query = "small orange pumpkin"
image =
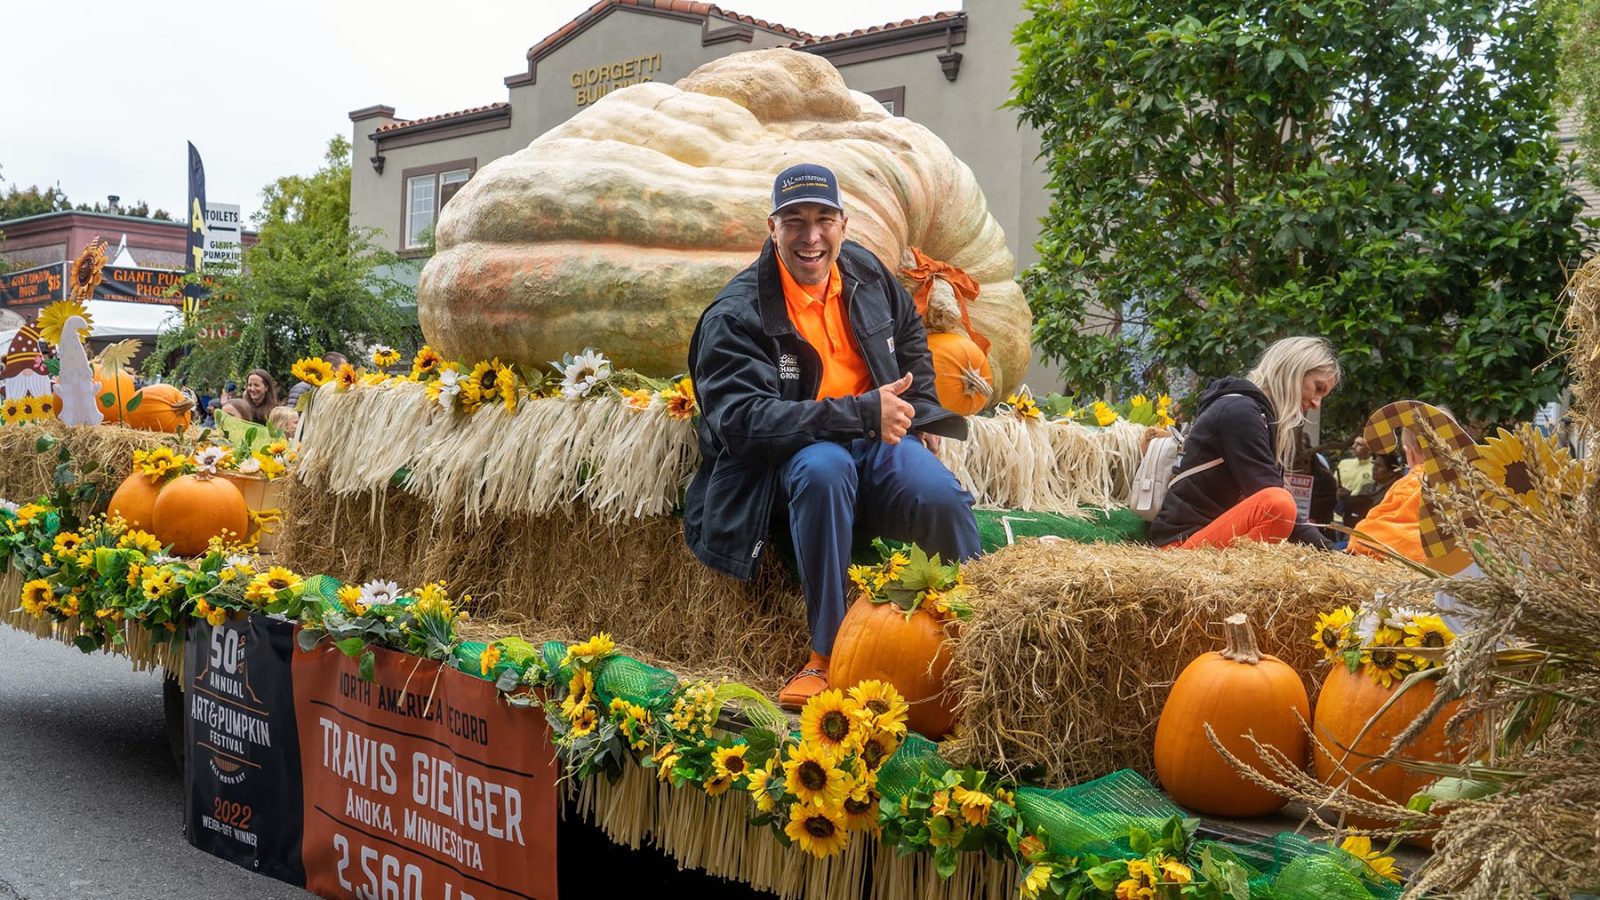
(193, 509)
(961, 374)
(158, 407)
(135, 501)
(112, 393)
(1237, 691)
(877, 641)
(1347, 702)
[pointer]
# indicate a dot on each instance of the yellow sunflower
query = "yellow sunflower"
(861, 808)
(665, 757)
(819, 831)
(1022, 405)
(760, 783)
(679, 399)
(1505, 460)
(505, 380)
(595, 647)
(488, 659)
(47, 406)
(346, 378)
(877, 705)
(1331, 631)
(27, 413)
(266, 586)
(813, 777)
(1385, 661)
(826, 723)
(717, 785)
(313, 370)
(876, 748)
(1377, 864)
(1175, 872)
(1140, 883)
(729, 762)
(975, 805)
(68, 605)
(1034, 881)
(86, 272)
(426, 363)
(1103, 414)
(12, 411)
(1428, 631)
(158, 582)
(580, 692)
(67, 544)
(37, 596)
(485, 378)
(384, 357)
(143, 541)
(585, 722)
(350, 598)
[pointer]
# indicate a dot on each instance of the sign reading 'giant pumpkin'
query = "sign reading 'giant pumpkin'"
(615, 229)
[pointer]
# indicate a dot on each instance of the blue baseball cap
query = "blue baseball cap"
(805, 183)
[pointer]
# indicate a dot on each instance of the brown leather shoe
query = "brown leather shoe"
(807, 683)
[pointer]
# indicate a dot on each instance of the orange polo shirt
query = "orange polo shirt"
(817, 311)
(1395, 521)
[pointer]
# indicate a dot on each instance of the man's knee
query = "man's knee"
(823, 467)
(1277, 503)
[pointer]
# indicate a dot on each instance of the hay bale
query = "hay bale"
(562, 576)
(1072, 650)
(1583, 328)
(25, 473)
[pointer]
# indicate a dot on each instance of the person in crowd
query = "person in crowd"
(1324, 484)
(283, 419)
(1355, 471)
(817, 408)
(1386, 469)
(1393, 522)
(1229, 483)
(332, 358)
(260, 395)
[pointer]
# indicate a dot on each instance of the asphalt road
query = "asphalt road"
(90, 799)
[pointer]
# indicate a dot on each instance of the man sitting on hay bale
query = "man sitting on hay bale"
(810, 368)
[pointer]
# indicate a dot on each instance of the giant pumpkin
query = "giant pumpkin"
(879, 641)
(160, 407)
(1347, 702)
(112, 391)
(1238, 691)
(615, 229)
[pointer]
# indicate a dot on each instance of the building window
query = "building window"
(427, 189)
(893, 99)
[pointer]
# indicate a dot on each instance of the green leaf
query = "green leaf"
(369, 661)
(86, 643)
(134, 401)
(510, 679)
(108, 399)
(44, 443)
(1139, 841)
(350, 646)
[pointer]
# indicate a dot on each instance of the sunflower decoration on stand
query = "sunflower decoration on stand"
(67, 324)
(86, 271)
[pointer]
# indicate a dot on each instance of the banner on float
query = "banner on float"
(242, 771)
(194, 245)
(421, 783)
(127, 284)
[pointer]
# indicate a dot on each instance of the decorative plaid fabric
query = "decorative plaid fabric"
(1431, 425)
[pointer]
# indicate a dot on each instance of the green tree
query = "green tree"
(18, 202)
(1382, 174)
(309, 286)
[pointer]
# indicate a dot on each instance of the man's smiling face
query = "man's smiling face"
(808, 237)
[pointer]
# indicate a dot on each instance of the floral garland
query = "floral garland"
(461, 388)
(28, 409)
(1387, 642)
(1139, 410)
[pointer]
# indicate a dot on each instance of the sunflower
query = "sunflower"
(485, 379)
(877, 705)
(826, 723)
(760, 785)
(1022, 405)
(595, 647)
(158, 582)
(27, 409)
(679, 399)
(350, 598)
(876, 748)
(1103, 414)
(812, 776)
(665, 757)
(12, 411)
(505, 381)
(68, 606)
(580, 692)
(67, 544)
(585, 722)
(896, 564)
(717, 785)
(640, 399)
(346, 378)
(1175, 872)
(312, 370)
(266, 586)
(211, 614)
(1376, 863)
(1034, 881)
(1140, 883)
(1385, 662)
(819, 831)
(86, 271)
(426, 363)
(47, 406)
(53, 319)
(37, 596)
(975, 805)
(861, 808)
(383, 357)
(1332, 630)
(488, 660)
(1428, 631)
(1505, 460)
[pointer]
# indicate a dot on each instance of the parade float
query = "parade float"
(480, 614)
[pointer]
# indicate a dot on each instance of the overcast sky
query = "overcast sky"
(100, 97)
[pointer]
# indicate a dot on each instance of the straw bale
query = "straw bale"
(1067, 662)
(25, 473)
(561, 576)
(1583, 327)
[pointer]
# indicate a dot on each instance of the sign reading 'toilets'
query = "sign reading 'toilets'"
(223, 250)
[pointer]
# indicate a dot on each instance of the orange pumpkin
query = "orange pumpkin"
(159, 407)
(1237, 691)
(877, 641)
(961, 374)
(135, 501)
(112, 393)
(193, 509)
(1347, 702)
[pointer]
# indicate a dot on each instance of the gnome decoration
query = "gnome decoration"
(24, 374)
(65, 324)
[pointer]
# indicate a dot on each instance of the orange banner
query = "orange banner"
(421, 784)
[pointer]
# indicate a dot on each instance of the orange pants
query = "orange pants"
(1267, 515)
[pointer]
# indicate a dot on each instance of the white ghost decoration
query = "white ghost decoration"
(76, 381)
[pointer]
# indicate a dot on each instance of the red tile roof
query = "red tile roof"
(813, 40)
(703, 10)
(407, 123)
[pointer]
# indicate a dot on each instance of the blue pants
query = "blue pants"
(898, 492)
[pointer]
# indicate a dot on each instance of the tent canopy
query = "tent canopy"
(113, 321)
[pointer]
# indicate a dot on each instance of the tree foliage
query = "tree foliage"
(309, 286)
(1382, 174)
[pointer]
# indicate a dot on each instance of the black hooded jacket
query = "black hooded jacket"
(1239, 429)
(756, 381)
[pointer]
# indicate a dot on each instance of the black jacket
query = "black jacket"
(1240, 430)
(756, 380)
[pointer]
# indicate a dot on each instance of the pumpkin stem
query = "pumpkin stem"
(973, 383)
(1241, 640)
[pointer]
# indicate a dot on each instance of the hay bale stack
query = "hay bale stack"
(25, 473)
(1073, 648)
(562, 576)
(1583, 327)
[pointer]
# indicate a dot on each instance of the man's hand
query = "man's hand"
(931, 441)
(894, 414)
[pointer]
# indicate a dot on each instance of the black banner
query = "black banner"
(195, 255)
(242, 782)
(33, 287)
(128, 285)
